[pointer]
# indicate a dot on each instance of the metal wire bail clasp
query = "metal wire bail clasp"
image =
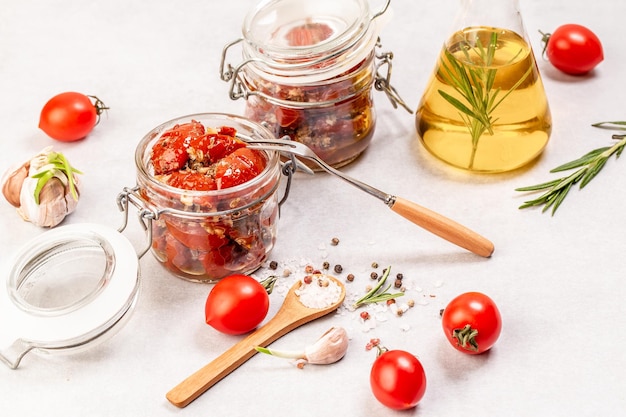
(383, 82)
(383, 10)
(230, 74)
(145, 215)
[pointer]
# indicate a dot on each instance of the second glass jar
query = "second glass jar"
(308, 70)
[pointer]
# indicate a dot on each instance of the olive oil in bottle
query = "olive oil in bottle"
(485, 107)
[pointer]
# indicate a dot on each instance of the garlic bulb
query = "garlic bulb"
(44, 190)
(329, 348)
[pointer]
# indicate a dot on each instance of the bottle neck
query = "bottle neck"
(503, 14)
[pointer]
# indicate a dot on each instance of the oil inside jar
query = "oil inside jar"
(485, 107)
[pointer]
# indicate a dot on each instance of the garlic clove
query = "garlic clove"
(329, 348)
(12, 183)
(55, 202)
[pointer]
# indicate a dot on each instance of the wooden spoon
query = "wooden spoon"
(292, 314)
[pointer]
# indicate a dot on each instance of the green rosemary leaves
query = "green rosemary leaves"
(587, 167)
(474, 83)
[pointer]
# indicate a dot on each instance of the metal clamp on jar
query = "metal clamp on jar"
(308, 70)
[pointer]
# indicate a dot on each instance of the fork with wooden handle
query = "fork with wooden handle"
(427, 219)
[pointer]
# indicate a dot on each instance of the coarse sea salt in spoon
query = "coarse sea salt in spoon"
(293, 313)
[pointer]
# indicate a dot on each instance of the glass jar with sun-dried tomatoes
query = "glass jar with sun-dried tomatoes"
(212, 198)
(308, 70)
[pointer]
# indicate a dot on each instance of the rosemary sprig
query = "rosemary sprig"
(376, 295)
(475, 85)
(589, 165)
(57, 164)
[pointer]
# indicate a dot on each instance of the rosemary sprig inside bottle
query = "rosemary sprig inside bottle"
(376, 295)
(589, 165)
(474, 81)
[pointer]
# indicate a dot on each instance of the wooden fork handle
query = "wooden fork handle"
(443, 227)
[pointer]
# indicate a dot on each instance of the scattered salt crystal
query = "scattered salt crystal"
(381, 316)
(438, 284)
(394, 308)
(404, 307)
(405, 327)
(368, 325)
(281, 290)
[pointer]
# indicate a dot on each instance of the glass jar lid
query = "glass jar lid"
(323, 37)
(67, 289)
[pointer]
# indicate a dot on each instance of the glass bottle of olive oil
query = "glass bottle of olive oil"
(485, 108)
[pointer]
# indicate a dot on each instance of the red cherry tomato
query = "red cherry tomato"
(573, 49)
(398, 379)
(236, 304)
(287, 117)
(472, 322)
(215, 146)
(308, 34)
(70, 116)
(238, 167)
(196, 236)
(169, 153)
(190, 181)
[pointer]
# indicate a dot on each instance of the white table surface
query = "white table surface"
(558, 281)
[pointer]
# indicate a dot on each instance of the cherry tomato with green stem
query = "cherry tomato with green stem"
(397, 379)
(472, 322)
(70, 116)
(573, 49)
(238, 303)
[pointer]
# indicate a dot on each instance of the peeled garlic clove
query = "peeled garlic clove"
(329, 348)
(12, 181)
